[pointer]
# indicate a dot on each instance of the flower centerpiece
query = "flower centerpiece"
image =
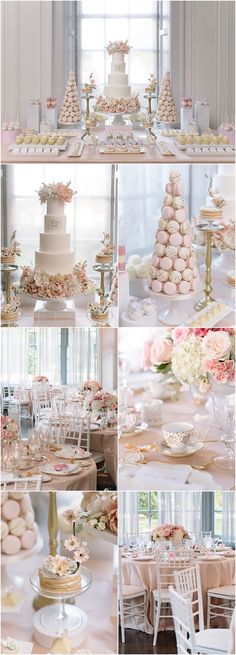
(91, 385)
(9, 253)
(100, 511)
(169, 532)
(118, 46)
(102, 401)
(9, 428)
(194, 355)
(55, 190)
(41, 378)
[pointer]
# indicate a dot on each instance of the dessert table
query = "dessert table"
(215, 573)
(91, 154)
(97, 602)
(205, 431)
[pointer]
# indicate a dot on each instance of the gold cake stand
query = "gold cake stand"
(208, 229)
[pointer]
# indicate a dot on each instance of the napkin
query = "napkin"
(154, 474)
(128, 424)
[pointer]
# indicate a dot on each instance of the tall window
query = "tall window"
(147, 510)
(27, 352)
(88, 215)
(90, 25)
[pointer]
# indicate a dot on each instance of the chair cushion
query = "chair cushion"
(215, 639)
(164, 594)
(131, 590)
(228, 591)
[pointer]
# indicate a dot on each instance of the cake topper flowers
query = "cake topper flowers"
(118, 46)
(14, 249)
(55, 190)
(73, 544)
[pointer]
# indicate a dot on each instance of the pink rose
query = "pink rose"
(216, 344)
(167, 532)
(161, 351)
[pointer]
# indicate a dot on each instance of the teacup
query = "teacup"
(152, 413)
(177, 435)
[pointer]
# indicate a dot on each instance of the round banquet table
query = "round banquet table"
(213, 574)
(84, 480)
(105, 441)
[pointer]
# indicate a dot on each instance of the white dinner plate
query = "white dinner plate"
(70, 469)
(70, 452)
(191, 449)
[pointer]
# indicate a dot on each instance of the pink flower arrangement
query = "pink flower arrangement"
(102, 400)
(9, 428)
(118, 46)
(40, 378)
(58, 190)
(169, 531)
(41, 284)
(91, 385)
(193, 354)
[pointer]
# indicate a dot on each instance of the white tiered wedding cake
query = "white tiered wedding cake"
(223, 186)
(117, 93)
(55, 254)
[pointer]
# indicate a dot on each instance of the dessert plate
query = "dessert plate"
(61, 469)
(70, 452)
(191, 449)
(134, 433)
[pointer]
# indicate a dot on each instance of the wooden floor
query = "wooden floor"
(139, 643)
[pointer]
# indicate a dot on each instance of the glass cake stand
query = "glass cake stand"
(61, 619)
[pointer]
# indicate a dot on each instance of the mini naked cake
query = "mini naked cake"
(105, 255)
(211, 213)
(59, 574)
(99, 314)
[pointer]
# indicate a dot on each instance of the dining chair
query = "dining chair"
(33, 483)
(132, 601)
(167, 562)
(7, 393)
(225, 594)
(212, 642)
(188, 582)
(86, 443)
(41, 409)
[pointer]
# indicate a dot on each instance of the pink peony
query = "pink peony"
(216, 344)
(160, 351)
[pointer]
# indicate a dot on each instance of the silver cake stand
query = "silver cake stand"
(174, 314)
(61, 619)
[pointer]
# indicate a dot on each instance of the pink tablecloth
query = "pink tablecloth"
(96, 603)
(105, 441)
(213, 574)
(205, 430)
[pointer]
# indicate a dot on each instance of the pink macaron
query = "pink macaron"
(162, 237)
(156, 286)
(167, 213)
(177, 189)
(175, 239)
(10, 545)
(184, 286)
(155, 260)
(165, 263)
(169, 288)
(169, 188)
(28, 539)
(10, 510)
(179, 264)
(180, 215)
(187, 240)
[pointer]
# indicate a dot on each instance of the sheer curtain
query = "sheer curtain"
(14, 355)
(181, 507)
(141, 190)
(228, 517)
(88, 215)
(83, 355)
(128, 514)
(48, 348)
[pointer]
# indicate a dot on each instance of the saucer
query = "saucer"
(133, 433)
(190, 449)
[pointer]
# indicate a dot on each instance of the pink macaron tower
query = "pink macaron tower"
(19, 532)
(174, 267)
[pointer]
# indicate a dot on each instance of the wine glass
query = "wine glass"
(34, 443)
(224, 412)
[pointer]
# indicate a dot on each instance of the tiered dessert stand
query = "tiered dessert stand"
(9, 582)
(61, 619)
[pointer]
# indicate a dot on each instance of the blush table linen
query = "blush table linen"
(96, 603)
(105, 441)
(84, 480)
(213, 574)
(182, 410)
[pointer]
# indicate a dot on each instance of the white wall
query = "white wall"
(202, 54)
(33, 50)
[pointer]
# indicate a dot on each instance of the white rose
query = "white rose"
(216, 345)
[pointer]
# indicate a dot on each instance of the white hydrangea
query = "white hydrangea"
(187, 360)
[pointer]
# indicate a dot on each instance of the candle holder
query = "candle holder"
(209, 229)
(150, 119)
(102, 269)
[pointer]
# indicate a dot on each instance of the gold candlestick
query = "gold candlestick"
(87, 132)
(42, 601)
(150, 97)
(209, 230)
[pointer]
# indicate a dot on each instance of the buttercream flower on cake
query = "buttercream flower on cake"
(118, 46)
(55, 190)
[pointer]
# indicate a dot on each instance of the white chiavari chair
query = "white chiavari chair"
(86, 443)
(211, 642)
(188, 583)
(167, 562)
(132, 601)
(224, 605)
(7, 393)
(33, 483)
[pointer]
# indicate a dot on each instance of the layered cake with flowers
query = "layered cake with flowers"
(174, 267)
(59, 574)
(117, 98)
